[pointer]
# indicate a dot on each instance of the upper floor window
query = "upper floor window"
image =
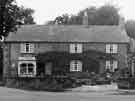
(75, 48)
(111, 48)
(111, 65)
(76, 65)
(27, 48)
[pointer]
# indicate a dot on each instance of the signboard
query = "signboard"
(27, 58)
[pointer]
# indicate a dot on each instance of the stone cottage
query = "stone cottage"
(109, 43)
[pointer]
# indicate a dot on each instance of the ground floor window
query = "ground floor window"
(111, 65)
(76, 65)
(27, 68)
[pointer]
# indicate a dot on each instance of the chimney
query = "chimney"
(85, 19)
(122, 22)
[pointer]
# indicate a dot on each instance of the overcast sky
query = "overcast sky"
(49, 9)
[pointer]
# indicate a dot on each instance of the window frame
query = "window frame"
(76, 66)
(27, 48)
(76, 48)
(27, 74)
(112, 48)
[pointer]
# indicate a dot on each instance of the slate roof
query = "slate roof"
(69, 33)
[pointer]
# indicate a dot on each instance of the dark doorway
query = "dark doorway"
(44, 68)
(91, 66)
(40, 69)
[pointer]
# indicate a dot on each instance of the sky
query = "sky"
(46, 10)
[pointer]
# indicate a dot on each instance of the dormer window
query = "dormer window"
(27, 48)
(75, 48)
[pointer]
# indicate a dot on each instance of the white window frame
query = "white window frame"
(24, 47)
(111, 48)
(111, 65)
(27, 74)
(76, 48)
(76, 66)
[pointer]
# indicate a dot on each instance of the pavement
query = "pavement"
(9, 94)
(96, 88)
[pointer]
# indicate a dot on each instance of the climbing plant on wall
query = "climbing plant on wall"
(61, 60)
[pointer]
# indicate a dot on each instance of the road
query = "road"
(8, 94)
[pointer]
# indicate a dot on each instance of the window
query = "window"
(76, 65)
(27, 68)
(112, 65)
(27, 48)
(111, 48)
(75, 48)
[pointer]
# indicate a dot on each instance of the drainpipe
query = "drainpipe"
(132, 68)
(2, 39)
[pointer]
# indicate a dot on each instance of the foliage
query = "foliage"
(61, 60)
(8, 17)
(26, 15)
(45, 84)
(12, 16)
(130, 28)
(105, 15)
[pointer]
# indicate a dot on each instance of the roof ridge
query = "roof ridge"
(71, 25)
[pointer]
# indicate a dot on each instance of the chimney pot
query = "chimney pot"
(85, 19)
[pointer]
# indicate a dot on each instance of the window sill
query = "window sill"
(75, 71)
(26, 52)
(26, 75)
(76, 53)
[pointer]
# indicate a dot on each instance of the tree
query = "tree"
(26, 15)
(64, 19)
(8, 17)
(58, 20)
(12, 16)
(105, 15)
(75, 20)
(130, 28)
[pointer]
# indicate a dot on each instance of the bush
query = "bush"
(47, 84)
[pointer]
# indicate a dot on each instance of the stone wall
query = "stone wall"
(12, 52)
